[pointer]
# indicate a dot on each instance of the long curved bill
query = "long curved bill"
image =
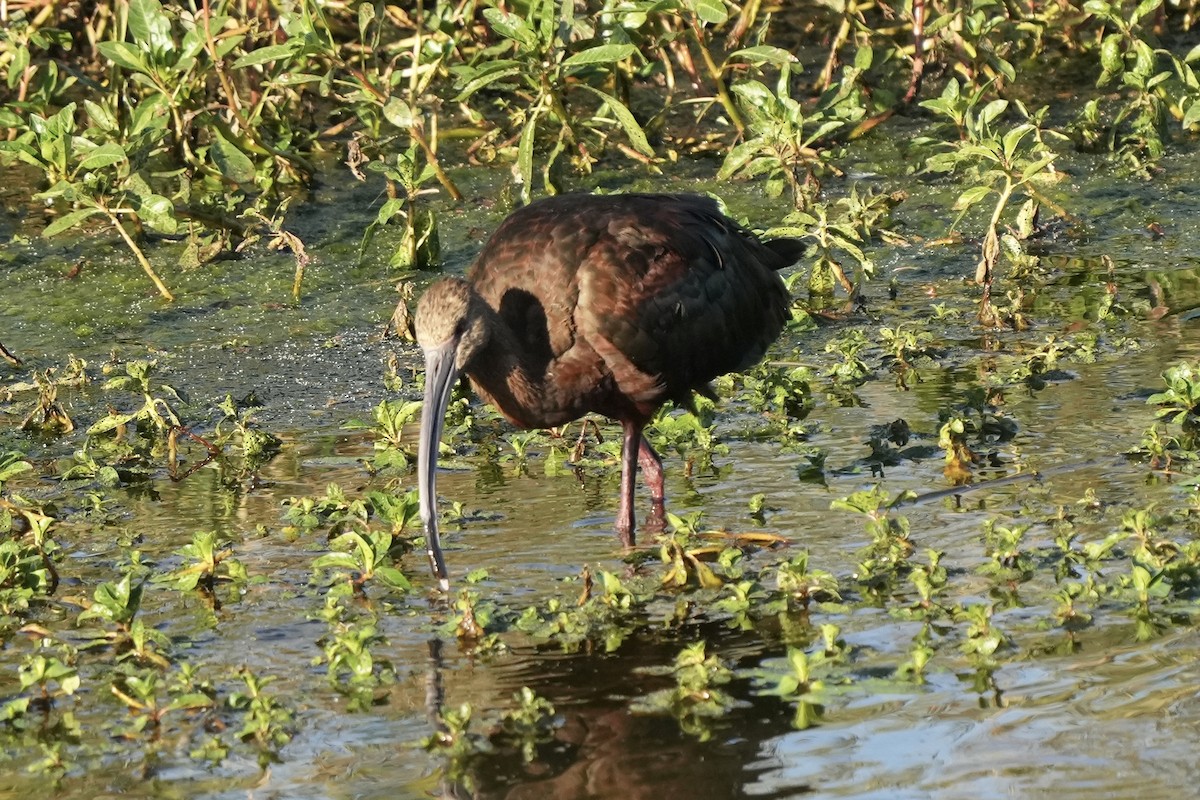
(440, 375)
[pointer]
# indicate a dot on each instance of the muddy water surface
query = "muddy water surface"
(1103, 709)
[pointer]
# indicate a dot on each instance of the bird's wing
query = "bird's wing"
(681, 293)
(526, 271)
(635, 297)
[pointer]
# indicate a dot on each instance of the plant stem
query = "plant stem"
(140, 256)
(418, 136)
(718, 76)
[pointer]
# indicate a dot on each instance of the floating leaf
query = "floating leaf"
(110, 422)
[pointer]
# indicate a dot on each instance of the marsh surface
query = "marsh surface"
(1045, 670)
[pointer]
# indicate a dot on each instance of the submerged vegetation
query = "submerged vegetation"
(185, 590)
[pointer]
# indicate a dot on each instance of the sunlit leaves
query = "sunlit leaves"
(265, 55)
(784, 143)
(69, 221)
(1180, 401)
(361, 557)
(549, 59)
(601, 54)
(205, 562)
(12, 464)
(629, 124)
(419, 244)
(123, 54)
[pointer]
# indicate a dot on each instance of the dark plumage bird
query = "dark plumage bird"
(606, 303)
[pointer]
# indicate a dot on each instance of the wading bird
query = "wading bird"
(611, 304)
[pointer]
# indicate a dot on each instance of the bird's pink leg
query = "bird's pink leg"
(630, 448)
(653, 475)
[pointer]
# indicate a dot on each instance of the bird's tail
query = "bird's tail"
(787, 252)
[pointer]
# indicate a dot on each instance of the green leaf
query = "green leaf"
(1013, 138)
(110, 422)
(393, 577)
(510, 26)
(525, 153)
(366, 14)
(1027, 218)
(755, 94)
(1192, 117)
(193, 700)
(10, 468)
(103, 156)
(737, 158)
(711, 11)
(968, 149)
(827, 127)
(22, 152)
(992, 110)
(633, 131)
(275, 52)
(124, 55)
(68, 221)
(1006, 69)
(399, 113)
(185, 582)
(69, 683)
(149, 26)
(336, 560)
(1144, 9)
(99, 115)
(763, 54)
(601, 54)
(392, 207)
(150, 114)
(971, 196)
(863, 58)
(1110, 53)
(789, 231)
(1038, 166)
(234, 165)
(496, 71)
(1145, 59)
(159, 213)
(16, 67)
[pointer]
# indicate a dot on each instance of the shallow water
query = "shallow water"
(1104, 710)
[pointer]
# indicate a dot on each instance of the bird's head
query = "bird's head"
(451, 329)
(450, 318)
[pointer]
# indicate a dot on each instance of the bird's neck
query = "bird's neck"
(503, 373)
